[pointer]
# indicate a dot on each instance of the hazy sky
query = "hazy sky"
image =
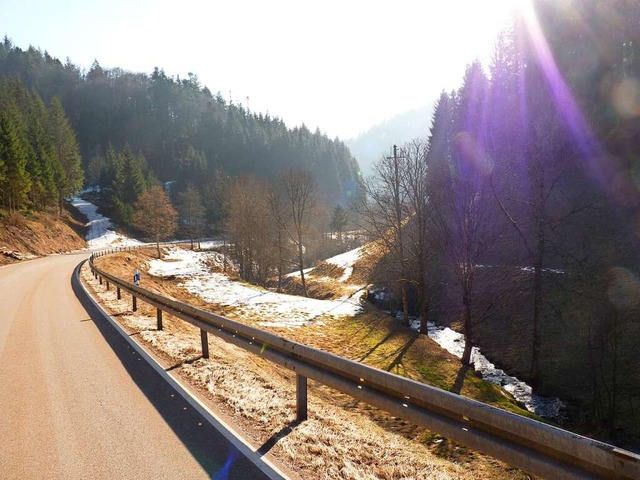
(341, 66)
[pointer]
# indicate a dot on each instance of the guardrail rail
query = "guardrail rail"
(533, 446)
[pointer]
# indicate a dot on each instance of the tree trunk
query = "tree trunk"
(280, 260)
(466, 322)
(537, 300)
(158, 247)
(301, 264)
(423, 303)
(405, 303)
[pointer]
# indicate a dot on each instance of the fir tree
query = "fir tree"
(69, 174)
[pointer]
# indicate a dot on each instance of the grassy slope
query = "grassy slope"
(376, 339)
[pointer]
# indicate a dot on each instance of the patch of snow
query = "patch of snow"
(557, 271)
(297, 272)
(209, 244)
(184, 263)
(350, 235)
(100, 233)
(453, 342)
(346, 261)
(273, 309)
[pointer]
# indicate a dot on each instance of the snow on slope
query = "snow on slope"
(272, 309)
(100, 233)
(346, 260)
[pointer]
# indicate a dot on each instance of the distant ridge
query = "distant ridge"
(369, 146)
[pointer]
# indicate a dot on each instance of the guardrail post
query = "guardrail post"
(118, 296)
(135, 302)
(107, 284)
(301, 398)
(100, 280)
(204, 338)
(159, 318)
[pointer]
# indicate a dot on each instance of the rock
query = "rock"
(16, 255)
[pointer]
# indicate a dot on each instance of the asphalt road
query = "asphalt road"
(76, 401)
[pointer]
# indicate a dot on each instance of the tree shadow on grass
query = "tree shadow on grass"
(374, 348)
(458, 384)
(402, 351)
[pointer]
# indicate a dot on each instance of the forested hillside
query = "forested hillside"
(516, 218)
(39, 158)
(183, 131)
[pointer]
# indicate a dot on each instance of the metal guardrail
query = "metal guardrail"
(532, 446)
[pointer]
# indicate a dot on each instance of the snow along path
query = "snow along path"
(100, 233)
(272, 309)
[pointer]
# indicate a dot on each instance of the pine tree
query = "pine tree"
(41, 159)
(69, 175)
(128, 184)
(339, 221)
(13, 157)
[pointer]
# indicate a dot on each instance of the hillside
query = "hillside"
(185, 132)
(342, 438)
(369, 146)
(40, 233)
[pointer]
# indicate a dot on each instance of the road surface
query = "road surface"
(76, 401)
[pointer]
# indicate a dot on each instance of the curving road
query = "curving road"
(76, 401)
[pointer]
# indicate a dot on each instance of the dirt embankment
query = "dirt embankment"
(24, 236)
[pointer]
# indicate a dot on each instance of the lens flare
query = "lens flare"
(626, 98)
(624, 288)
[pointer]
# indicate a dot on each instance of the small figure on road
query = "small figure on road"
(136, 277)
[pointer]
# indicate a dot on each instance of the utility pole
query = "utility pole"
(399, 239)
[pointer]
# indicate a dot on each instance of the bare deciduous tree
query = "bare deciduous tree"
(191, 212)
(277, 207)
(383, 209)
(299, 189)
(155, 216)
(251, 228)
(418, 242)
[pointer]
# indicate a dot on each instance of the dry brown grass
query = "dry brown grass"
(40, 233)
(343, 438)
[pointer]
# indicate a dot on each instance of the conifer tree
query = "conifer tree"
(128, 184)
(41, 164)
(69, 175)
(13, 155)
(339, 221)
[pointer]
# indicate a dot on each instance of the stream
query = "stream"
(453, 342)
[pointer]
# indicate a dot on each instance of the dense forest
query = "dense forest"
(516, 217)
(39, 158)
(173, 129)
